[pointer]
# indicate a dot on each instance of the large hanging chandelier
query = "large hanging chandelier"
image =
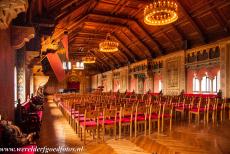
(88, 59)
(108, 45)
(161, 12)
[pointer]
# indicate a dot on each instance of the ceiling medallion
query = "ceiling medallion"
(161, 12)
(108, 45)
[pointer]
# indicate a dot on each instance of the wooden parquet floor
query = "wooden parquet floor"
(183, 139)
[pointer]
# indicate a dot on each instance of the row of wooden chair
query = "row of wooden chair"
(97, 113)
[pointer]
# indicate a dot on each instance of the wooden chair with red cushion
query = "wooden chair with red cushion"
(109, 120)
(126, 118)
(141, 117)
(154, 116)
(197, 109)
(211, 109)
(90, 123)
(166, 115)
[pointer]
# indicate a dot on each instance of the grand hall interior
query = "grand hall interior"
(115, 76)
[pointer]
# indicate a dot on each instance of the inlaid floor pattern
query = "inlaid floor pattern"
(184, 139)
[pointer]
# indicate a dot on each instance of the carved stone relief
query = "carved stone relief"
(9, 9)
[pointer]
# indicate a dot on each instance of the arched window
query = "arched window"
(15, 85)
(160, 86)
(216, 83)
(196, 85)
(205, 84)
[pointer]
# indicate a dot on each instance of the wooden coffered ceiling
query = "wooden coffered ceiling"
(88, 22)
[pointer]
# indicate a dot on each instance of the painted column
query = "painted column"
(21, 74)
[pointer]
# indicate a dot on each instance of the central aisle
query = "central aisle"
(56, 131)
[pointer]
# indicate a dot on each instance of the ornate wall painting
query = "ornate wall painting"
(172, 73)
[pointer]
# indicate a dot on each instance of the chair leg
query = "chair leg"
(135, 129)
(150, 126)
(119, 130)
(189, 117)
(84, 135)
(170, 127)
(103, 133)
(145, 127)
(162, 125)
(159, 125)
(131, 130)
(221, 116)
(115, 132)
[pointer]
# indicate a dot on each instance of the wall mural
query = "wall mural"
(173, 74)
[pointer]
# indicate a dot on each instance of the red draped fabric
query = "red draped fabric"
(73, 85)
(56, 64)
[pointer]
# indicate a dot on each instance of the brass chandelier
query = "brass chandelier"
(89, 59)
(161, 12)
(108, 45)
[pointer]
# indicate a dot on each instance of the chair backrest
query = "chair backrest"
(126, 111)
(110, 113)
(155, 109)
(167, 109)
(141, 109)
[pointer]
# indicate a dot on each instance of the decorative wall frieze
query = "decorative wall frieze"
(9, 9)
(139, 67)
(20, 35)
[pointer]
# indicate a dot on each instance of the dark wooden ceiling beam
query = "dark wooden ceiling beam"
(133, 56)
(129, 19)
(101, 60)
(120, 27)
(148, 50)
(160, 51)
(109, 61)
(98, 40)
(221, 21)
(113, 25)
(65, 14)
(194, 24)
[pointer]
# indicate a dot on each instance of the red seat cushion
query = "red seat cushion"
(196, 109)
(107, 122)
(88, 124)
(140, 118)
(180, 108)
(81, 119)
(124, 120)
(167, 115)
(154, 116)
